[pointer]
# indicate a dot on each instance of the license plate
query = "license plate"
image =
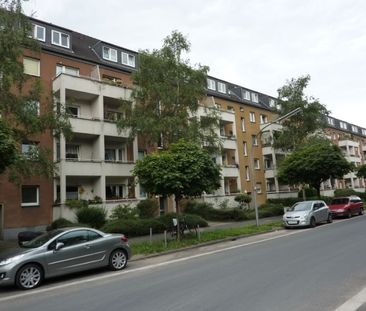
(292, 222)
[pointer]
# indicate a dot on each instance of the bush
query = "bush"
(284, 201)
(198, 208)
(243, 199)
(60, 223)
(309, 192)
(345, 192)
(270, 210)
(76, 203)
(134, 227)
(124, 212)
(191, 220)
(147, 208)
(93, 216)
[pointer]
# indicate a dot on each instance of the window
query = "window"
(72, 151)
(31, 66)
(343, 125)
(363, 132)
(257, 164)
(72, 192)
(73, 238)
(263, 119)
(258, 187)
(39, 32)
(93, 235)
(141, 154)
(254, 140)
(246, 94)
(109, 54)
(143, 193)
(255, 97)
(272, 102)
(128, 59)
(30, 150)
(245, 151)
(330, 121)
(66, 69)
(221, 87)
(247, 175)
(114, 192)
(354, 128)
(60, 39)
(30, 196)
(252, 117)
(211, 84)
(242, 124)
(111, 154)
(72, 111)
(230, 108)
(32, 107)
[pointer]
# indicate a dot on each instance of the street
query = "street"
(308, 269)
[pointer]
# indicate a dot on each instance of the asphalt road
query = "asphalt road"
(311, 269)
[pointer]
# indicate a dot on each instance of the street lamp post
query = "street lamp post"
(251, 158)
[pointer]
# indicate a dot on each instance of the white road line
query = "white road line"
(354, 303)
(114, 274)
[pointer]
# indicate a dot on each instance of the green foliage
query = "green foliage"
(344, 192)
(270, 210)
(285, 202)
(309, 192)
(168, 98)
(312, 163)
(192, 221)
(243, 199)
(297, 128)
(134, 227)
(184, 170)
(147, 208)
(76, 203)
(18, 96)
(93, 216)
(124, 211)
(361, 171)
(60, 223)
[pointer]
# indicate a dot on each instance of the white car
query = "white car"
(307, 213)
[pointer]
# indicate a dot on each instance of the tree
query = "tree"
(243, 199)
(184, 170)
(313, 163)
(361, 171)
(167, 98)
(298, 128)
(19, 98)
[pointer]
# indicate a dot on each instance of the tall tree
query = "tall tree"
(21, 118)
(167, 98)
(184, 170)
(298, 128)
(313, 163)
(361, 171)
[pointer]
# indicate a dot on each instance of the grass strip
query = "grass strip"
(146, 248)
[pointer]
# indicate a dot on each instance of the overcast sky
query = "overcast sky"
(258, 44)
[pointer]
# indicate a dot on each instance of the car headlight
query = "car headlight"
(7, 261)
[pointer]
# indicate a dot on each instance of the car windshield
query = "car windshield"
(301, 206)
(340, 201)
(42, 239)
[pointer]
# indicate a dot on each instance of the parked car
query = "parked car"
(307, 213)
(62, 251)
(346, 206)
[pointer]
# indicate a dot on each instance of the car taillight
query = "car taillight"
(124, 238)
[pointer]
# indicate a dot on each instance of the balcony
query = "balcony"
(269, 173)
(86, 126)
(118, 168)
(348, 142)
(230, 171)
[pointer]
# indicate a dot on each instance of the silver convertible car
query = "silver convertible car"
(62, 251)
(307, 213)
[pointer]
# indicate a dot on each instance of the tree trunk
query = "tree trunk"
(177, 199)
(317, 188)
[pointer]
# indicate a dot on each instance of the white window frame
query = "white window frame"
(254, 140)
(131, 60)
(77, 148)
(30, 203)
(258, 187)
(28, 148)
(330, 121)
(355, 128)
(263, 119)
(252, 117)
(221, 87)
(36, 103)
(246, 94)
(343, 125)
(245, 149)
(363, 132)
(211, 84)
(242, 121)
(35, 32)
(255, 98)
(257, 164)
(53, 32)
(272, 102)
(38, 73)
(67, 69)
(247, 173)
(76, 107)
(110, 57)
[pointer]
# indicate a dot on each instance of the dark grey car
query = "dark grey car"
(62, 251)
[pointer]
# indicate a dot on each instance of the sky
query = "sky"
(258, 44)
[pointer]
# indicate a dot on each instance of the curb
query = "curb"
(178, 250)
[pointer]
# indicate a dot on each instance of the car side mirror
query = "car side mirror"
(59, 245)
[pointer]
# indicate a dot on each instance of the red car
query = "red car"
(346, 206)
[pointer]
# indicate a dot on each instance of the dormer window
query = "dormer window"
(246, 94)
(330, 121)
(272, 102)
(110, 54)
(60, 39)
(343, 125)
(363, 132)
(211, 85)
(39, 32)
(354, 128)
(221, 87)
(255, 97)
(128, 59)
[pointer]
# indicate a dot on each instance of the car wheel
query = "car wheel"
(349, 214)
(312, 222)
(118, 260)
(330, 219)
(361, 211)
(29, 276)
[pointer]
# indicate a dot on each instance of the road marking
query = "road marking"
(152, 266)
(353, 303)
